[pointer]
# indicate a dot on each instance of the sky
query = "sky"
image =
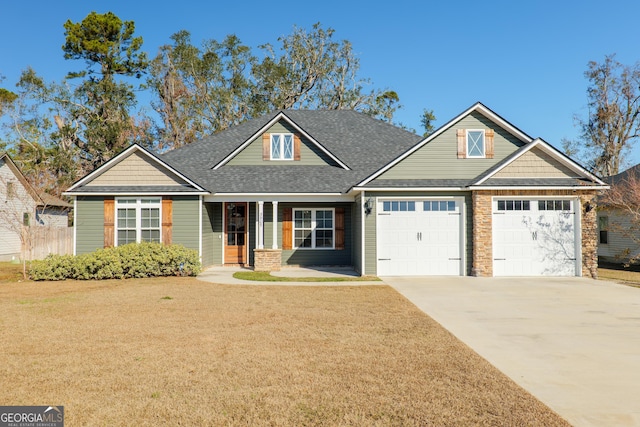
(523, 59)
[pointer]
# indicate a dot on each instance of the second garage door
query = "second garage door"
(419, 237)
(535, 237)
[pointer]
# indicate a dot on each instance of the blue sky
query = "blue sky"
(524, 60)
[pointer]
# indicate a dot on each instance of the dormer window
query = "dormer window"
(281, 146)
(475, 143)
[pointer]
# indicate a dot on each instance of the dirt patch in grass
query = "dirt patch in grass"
(178, 351)
(10, 272)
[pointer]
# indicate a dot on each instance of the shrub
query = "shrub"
(122, 262)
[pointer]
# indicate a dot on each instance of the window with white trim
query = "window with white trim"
(138, 220)
(314, 228)
(554, 205)
(281, 146)
(603, 229)
(475, 143)
(399, 206)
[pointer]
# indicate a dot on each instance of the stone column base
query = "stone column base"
(267, 259)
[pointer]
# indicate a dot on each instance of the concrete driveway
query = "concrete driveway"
(573, 343)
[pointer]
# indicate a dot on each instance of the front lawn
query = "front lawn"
(178, 351)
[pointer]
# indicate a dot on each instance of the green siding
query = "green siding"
(89, 224)
(370, 226)
(186, 221)
(439, 158)
(207, 234)
(310, 154)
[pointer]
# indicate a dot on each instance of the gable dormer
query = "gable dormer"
(281, 145)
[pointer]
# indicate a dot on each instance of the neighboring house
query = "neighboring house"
(618, 236)
(477, 197)
(22, 206)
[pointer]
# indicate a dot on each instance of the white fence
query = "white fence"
(49, 240)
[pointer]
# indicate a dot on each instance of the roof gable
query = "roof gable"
(281, 120)
(436, 154)
(309, 152)
(135, 167)
(534, 161)
(39, 197)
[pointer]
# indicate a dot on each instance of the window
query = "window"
(475, 143)
(313, 228)
(138, 220)
(399, 206)
(603, 228)
(514, 205)
(554, 205)
(281, 146)
(439, 205)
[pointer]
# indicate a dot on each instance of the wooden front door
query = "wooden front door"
(235, 249)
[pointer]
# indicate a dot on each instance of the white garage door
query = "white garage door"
(535, 237)
(419, 237)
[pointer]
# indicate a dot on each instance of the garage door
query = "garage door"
(535, 237)
(419, 237)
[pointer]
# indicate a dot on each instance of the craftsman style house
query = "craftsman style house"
(477, 197)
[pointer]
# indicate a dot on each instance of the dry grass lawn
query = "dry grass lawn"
(178, 351)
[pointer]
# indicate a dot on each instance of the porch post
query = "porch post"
(261, 224)
(274, 204)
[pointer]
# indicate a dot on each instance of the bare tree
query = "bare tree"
(613, 122)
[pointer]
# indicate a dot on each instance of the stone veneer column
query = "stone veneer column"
(267, 259)
(589, 235)
(482, 265)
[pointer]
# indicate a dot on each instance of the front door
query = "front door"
(235, 249)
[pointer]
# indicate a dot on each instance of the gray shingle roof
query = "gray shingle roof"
(362, 143)
(418, 183)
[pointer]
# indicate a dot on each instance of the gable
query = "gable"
(252, 154)
(536, 163)
(438, 159)
(136, 169)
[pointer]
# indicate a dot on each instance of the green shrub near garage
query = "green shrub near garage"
(135, 260)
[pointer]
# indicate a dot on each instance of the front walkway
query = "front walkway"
(224, 275)
(573, 343)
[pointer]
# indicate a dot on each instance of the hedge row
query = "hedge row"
(121, 262)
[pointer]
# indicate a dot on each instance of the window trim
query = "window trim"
(313, 228)
(484, 144)
(282, 136)
(138, 206)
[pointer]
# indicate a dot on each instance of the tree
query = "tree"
(61, 131)
(204, 90)
(98, 123)
(200, 91)
(316, 72)
(613, 123)
(426, 120)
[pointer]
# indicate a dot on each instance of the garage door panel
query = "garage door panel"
(536, 241)
(420, 242)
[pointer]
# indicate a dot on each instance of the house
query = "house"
(477, 197)
(618, 236)
(21, 205)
